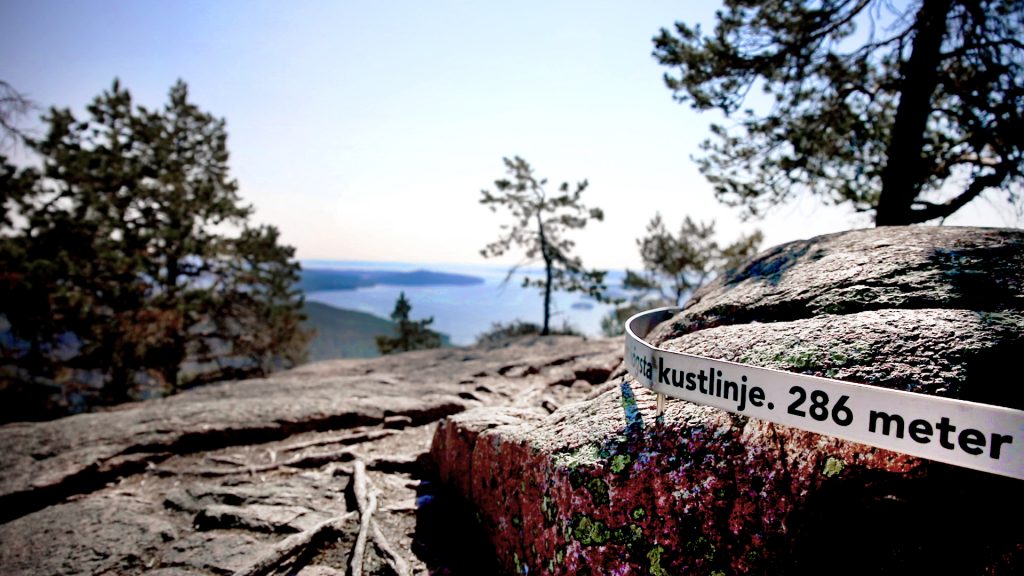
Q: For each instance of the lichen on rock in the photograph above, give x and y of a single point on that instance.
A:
(607, 488)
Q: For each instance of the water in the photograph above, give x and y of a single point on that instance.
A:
(464, 312)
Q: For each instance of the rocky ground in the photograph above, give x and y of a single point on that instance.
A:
(261, 476)
(535, 457)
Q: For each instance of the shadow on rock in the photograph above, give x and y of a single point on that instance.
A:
(448, 537)
(936, 524)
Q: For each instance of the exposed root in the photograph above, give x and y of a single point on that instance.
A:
(366, 500)
(293, 546)
(353, 438)
(397, 563)
(297, 461)
(359, 549)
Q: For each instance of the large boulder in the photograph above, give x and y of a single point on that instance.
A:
(258, 476)
(601, 487)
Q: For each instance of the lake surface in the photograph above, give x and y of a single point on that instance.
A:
(464, 312)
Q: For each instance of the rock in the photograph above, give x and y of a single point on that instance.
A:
(320, 571)
(599, 486)
(873, 269)
(254, 477)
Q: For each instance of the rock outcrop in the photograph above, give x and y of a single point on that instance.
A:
(600, 487)
(532, 457)
(273, 476)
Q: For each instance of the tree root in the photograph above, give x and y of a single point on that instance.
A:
(354, 438)
(366, 500)
(297, 461)
(393, 558)
(293, 546)
(366, 511)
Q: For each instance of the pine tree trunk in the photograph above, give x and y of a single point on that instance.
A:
(547, 293)
(545, 251)
(905, 172)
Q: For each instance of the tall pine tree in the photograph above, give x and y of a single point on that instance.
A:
(129, 259)
(909, 110)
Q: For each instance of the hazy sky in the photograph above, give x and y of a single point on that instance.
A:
(366, 130)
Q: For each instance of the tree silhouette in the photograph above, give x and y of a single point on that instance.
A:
(675, 265)
(412, 334)
(129, 260)
(13, 107)
(540, 221)
(910, 111)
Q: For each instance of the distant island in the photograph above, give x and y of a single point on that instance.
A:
(320, 279)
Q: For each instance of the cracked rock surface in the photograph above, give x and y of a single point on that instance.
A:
(259, 476)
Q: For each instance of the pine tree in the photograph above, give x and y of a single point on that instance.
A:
(412, 334)
(130, 260)
(675, 265)
(907, 110)
(540, 222)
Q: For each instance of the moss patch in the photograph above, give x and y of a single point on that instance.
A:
(833, 466)
(586, 455)
(654, 562)
(589, 531)
(620, 462)
(598, 490)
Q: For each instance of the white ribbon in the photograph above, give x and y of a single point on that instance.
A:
(968, 434)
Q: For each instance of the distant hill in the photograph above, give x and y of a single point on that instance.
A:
(345, 333)
(317, 279)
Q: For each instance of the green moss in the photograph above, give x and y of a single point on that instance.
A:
(627, 535)
(1002, 320)
(588, 531)
(792, 354)
(654, 559)
(586, 455)
(802, 357)
(598, 490)
(833, 466)
(638, 513)
(807, 356)
(620, 462)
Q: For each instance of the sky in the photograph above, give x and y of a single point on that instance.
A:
(366, 130)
